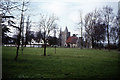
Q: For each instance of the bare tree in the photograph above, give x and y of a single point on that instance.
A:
(28, 26)
(6, 6)
(47, 25)
(80, 24)
(89, 27)
(108, 18)
(94, 27)
(114, 30)
(118, 18)
(9, 6)
(20, 38)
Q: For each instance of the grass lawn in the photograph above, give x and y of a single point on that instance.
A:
(66, 63)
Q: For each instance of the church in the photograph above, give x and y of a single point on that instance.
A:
(69, 41)
(63, 37)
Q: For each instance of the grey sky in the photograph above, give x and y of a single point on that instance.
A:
(67, 10)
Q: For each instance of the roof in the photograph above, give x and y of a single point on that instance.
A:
(72, 40)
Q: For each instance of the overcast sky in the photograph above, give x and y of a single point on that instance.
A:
(67, 10)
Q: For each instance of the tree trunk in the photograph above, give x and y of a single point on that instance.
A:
(45, 48)
(19, 35)
(18, 45)
(26, 42)
(81, 43)
(92, 42)
(81, 39)
(25, 45)
(55, 49)
(86, 44)
(16, 53)
(22, 44)
(108, 38)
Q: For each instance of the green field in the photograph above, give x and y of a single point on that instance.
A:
(66, 63)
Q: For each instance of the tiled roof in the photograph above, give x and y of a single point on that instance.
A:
(72, 40)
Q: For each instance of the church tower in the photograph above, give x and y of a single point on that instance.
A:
(64, 36)
(66, 33)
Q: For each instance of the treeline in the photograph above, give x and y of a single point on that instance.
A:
(102, 27)
(34, 36)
